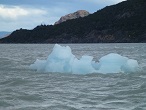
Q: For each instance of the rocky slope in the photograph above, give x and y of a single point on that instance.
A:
(123, 22)
(78, 14)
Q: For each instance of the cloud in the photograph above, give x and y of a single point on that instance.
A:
(15, 17)
(104, 1)
(16, 12)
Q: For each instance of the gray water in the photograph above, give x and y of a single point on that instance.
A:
(25, 89)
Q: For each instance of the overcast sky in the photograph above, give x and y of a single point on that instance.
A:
(27, 14)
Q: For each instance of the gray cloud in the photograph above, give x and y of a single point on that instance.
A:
(15, 14)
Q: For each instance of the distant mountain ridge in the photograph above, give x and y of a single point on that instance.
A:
(77, 14)
(121, 23)
(4, 34)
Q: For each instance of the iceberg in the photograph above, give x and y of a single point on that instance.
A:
(62, 60)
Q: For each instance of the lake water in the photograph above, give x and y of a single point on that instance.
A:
(24, 89)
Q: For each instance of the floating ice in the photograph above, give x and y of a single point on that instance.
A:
(62, 60)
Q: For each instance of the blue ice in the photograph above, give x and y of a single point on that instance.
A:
(62, 60)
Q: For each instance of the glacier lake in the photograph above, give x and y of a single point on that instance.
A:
(22, 88)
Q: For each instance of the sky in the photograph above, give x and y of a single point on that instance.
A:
(27, 14)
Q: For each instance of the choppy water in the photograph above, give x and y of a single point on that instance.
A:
(25, 89)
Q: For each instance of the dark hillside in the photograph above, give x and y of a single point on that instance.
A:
(123, 22)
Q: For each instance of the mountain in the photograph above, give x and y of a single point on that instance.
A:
(77, 14)
(4, 34)
(123, 22)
